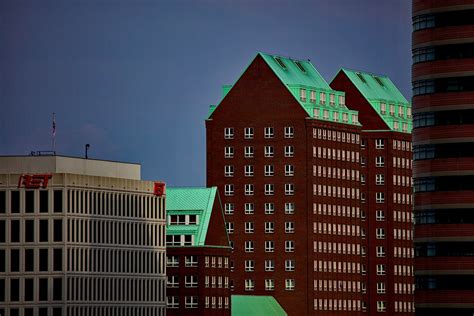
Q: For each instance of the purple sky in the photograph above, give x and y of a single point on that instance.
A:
(135, 78)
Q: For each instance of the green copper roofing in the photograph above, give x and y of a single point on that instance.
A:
(309, 88)
(253, 305)
(381, 92)
(191, 201)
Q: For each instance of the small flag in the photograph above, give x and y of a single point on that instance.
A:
(54, 126)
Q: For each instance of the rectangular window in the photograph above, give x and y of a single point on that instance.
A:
(312, 96)
(269, 151)
(57, 259)
(191, 281)
(269, 246)
(228, 152)
(380, 269)
(379, 179)
(289, 151)
(289, 170)
(289, 132)
(191, 261)
(342, 100)
(248, 133)
(43, 230)
(43, 259)
(269, 265)
(290, 284)
(269, 227)
(269, 189)
(191, 301)
(249, 246)
(229, 133)
(379, 197)
(2, 260)
(58, 230)
(43, 201)
(29, 201)
(14, 290)
(392, 109)
(15, 260)
(228, 171)
(269, 132)
(332, 99)
(289, 208)
(172, 281)
(381, 306)
(379, 161)
(57, 289)
(29, 230)
(249, 208)
(269, 285)
(380, 233)
(230, 227)
(322, 98)
(289, 227)
(249, 227)
(15, 201)
(379, 143)
(289, 246)
(229, 190)
(248, 171)
(289, 189)
(3, 202)
(269, 208)
(249, 285)
(249, 265)
(58, 201)
(383, 108)
(29, 260)
(172, 302)
(379, 215)
(43, 289)
(29, 290)
(15, 231)
(289, 265)
(303, 95)
(380, 251)
(249, 190)
(229, 208)
(248, 152)
(269, 171)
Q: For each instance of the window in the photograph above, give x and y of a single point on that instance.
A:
(248, 171)
(379, 161)
(289, 151)
(228, 152)
(380, 288)
(269, 246)
(249, 189)
(269, 170)
(269, 151)
(58, 201)
(230, 227)
(268, 132)
(380, 251)
(191, 261)
(229, 190)
(29, 201)
(58, 230)
(269, 265)
(191, 281)
(249, 265)
(248, 152)
(312, 96)
(249, 208)
(380, 269)
(289, 265)
(29, 230)
(383, 108)
(332, 99)
(229, 208)
(269, 208)
(249, 246)
(229, 133)
(322, 98)
(269, 284)
(379, 143)
(379, 197)
(191, 301)
(392, 109)
(249, 285)
(269, 189)
(289, 132)
(228, 171)
(289, 208)
(289, 189)
(289, 246)
(303, 95)
(248, 133)
(172, 281)
(342, 100)
(43, 230)
(325, 114)
(381, 306)
(15, 201)
(379, 179)
(249, 227)
(379, 215)
(290, 284)
(289, 170)
(57, 259)
(289, 227)
(269, 227)
(172, 302)
(380, 233)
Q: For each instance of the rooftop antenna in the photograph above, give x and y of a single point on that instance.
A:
(87, 149)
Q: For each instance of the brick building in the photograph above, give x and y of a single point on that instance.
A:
(386, 186)
(197, 253)
(286, 151)
(443, 139)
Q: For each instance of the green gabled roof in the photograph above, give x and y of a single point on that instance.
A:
(292, 75)
(371, 89)
(253, 305)
(306, 78)
(186, 201)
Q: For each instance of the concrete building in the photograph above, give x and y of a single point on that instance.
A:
(443, 139)
(291, 157)
(80, 237)
(198, 253)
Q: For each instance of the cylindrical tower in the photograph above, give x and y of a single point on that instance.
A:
(443, 153)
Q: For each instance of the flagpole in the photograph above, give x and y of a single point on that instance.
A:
(53, 134)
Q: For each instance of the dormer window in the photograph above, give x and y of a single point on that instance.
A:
(361, 77)
(379, 81)
(300, 66)
(303, 95)
(342, 100)
(312, 96)
(280, 62)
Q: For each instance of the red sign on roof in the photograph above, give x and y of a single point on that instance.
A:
(159, 188)
(34, 181)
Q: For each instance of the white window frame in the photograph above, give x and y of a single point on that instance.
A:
(269, 265)
(289, 227)
(172, 281)
(249, 227)
(249, 189)
(289, 170)
(289, 208)
(380, 251)
(290, 265)
(190, 281)
(249, 246)
(248, 171)
(249, 208)
(289, 151)
(229, 227)
(379, 161)
(289, 189)
(379, 215)
(172, 302)
(249, 285)
(269, 132)
(269, 246)
(228, 171)
(269, 151)
(289, 132)
(248, 132)
(380, 233)
(269, 285)
(379, 179)
(190, 261)
(228, 152)
(228, 133)
(289, 246)
(229, 190)
(269, 171)
(269, 227)
(249, 265)
(379, 197)
(269, 208)
(248, 152)
(269, 189)
(289, 284)
(379, 143)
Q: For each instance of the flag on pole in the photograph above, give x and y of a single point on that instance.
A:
(54, 126)
(53, 134)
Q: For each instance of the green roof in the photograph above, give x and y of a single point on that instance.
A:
(253, 305)
(377, 90)
(301, 77)
(191, 201)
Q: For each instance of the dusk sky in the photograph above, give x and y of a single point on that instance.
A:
(135, 78)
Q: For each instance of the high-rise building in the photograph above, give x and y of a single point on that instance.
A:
(307, 189)
(198, 253)
(443, 152)
(386, 188)
(80, 237)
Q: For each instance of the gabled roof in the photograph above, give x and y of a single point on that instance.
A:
(191, 201)
(301, 75)
(375, 87)
(253, 305)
